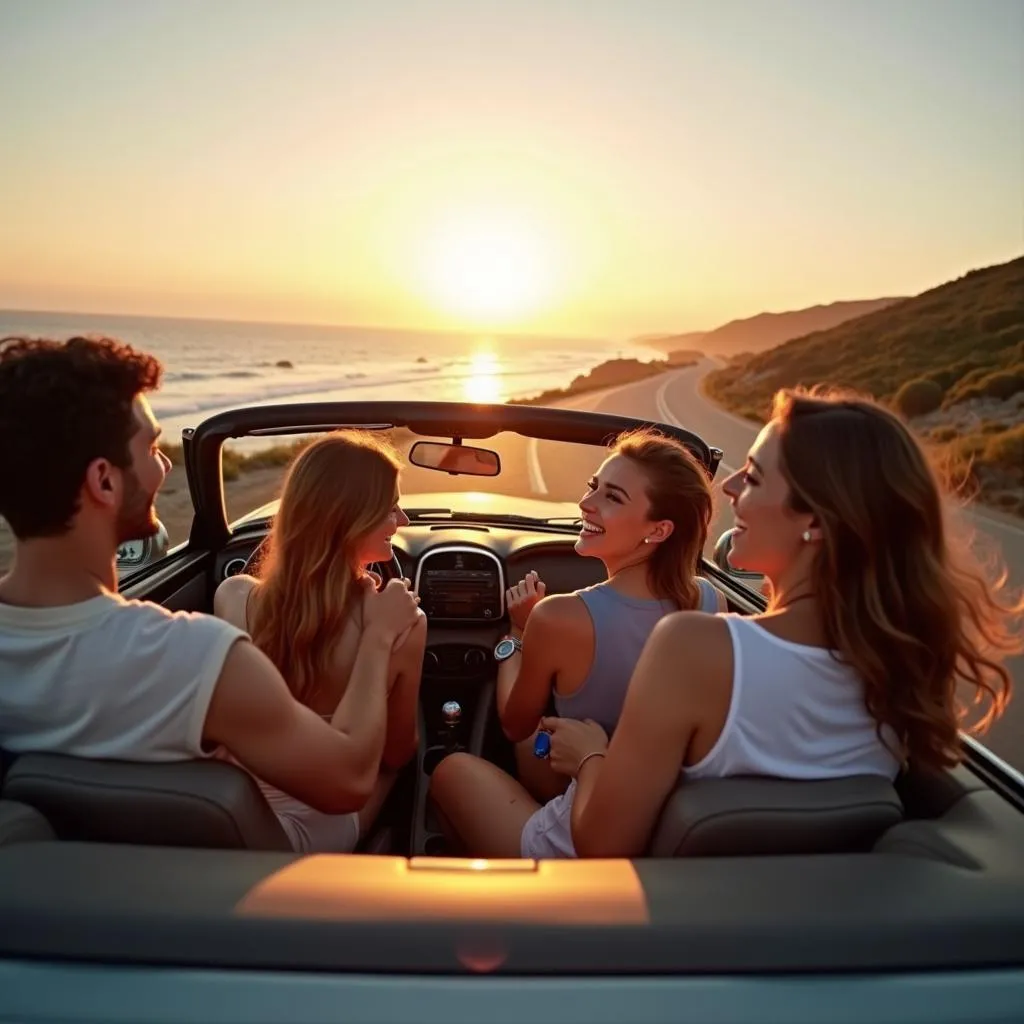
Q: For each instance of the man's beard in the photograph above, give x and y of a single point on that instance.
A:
(137, 518)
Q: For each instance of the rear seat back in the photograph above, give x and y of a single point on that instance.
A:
(756, 815)
(208, 804)
(20, 823)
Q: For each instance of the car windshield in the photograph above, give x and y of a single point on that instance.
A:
(540, 482)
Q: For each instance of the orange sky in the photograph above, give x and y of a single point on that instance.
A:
(584, 168)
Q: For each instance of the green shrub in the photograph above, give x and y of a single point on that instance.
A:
(231, 463)
(173, 452)
(918, 397)
(945, 378)
(1000, 384)
(1000, 319)
(1005, 383)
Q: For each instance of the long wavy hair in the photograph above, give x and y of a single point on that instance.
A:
(678, 489)
(905, 605)
(337, 490)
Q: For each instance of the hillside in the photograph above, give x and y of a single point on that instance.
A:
(613, 373)
(766, 330)
(672, 342)
(950, 359)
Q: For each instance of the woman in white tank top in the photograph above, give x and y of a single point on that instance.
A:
(875, 622)
(339, 510)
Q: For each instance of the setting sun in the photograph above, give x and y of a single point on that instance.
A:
(488, 267)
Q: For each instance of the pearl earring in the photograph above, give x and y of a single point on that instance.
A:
(647, 540)
(807, 536)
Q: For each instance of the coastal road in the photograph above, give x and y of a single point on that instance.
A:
(559, 472)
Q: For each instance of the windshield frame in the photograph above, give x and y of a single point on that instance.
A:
(202, 446)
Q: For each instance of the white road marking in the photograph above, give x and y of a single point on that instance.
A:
(537, 484)
(584, 401)
(667, 416)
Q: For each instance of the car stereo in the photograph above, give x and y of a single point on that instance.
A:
(463, 584)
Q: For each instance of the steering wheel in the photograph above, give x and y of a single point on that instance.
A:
(390, 570)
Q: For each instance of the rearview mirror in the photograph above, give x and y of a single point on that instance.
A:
(720, 557)
(134, 554)
(455, 458)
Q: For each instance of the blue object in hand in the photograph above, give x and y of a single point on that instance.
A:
(542, 744)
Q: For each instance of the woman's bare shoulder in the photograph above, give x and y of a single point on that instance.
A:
(702, 638)
(230, 598)
(562, 611)
(693, 623)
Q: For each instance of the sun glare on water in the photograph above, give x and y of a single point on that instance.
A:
(487, 268)
(483, 381)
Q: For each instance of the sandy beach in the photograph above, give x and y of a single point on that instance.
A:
(174, 507)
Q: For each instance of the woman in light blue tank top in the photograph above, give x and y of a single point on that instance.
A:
(645, 515)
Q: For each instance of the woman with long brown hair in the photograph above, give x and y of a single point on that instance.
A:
(645, 515)
(877, 623)
(338, 512)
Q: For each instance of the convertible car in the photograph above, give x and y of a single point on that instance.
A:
(169, 892)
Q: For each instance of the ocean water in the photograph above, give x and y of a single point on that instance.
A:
(212, 365)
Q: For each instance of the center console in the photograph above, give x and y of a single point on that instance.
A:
(456, 702)
(458, 584)
(462, 592)
(456, 696)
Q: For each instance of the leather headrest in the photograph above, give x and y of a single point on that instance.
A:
(754, 815)
(187, 803)
(20, 823)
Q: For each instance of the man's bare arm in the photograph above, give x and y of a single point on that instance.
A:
(254, 715)
(330, 767)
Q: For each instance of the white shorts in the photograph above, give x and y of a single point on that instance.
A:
(547, 833)
(313, 831)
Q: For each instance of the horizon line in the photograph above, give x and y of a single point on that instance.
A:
(311, 323)
(642, 339)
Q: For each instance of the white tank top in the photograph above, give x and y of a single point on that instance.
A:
(796, 713)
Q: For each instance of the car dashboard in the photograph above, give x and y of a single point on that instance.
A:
(461, 573)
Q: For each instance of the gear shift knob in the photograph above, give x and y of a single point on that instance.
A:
(451, 713)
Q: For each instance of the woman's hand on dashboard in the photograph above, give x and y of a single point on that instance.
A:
(521, 598)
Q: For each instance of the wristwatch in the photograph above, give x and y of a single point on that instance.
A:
(506, 647)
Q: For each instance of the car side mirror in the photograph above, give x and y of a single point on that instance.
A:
(720, 557)
(455, 458)
(134, 554)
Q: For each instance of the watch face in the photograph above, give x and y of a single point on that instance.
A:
(505, 649)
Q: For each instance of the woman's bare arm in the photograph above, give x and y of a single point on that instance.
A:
(525, 680)
(404, 696)
(684, 665)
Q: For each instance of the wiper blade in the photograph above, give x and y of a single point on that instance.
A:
(488, 517)
(416, 513)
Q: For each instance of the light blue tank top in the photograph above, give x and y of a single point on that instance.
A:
(621, 627)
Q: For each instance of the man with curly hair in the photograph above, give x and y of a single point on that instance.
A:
(87, 673)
